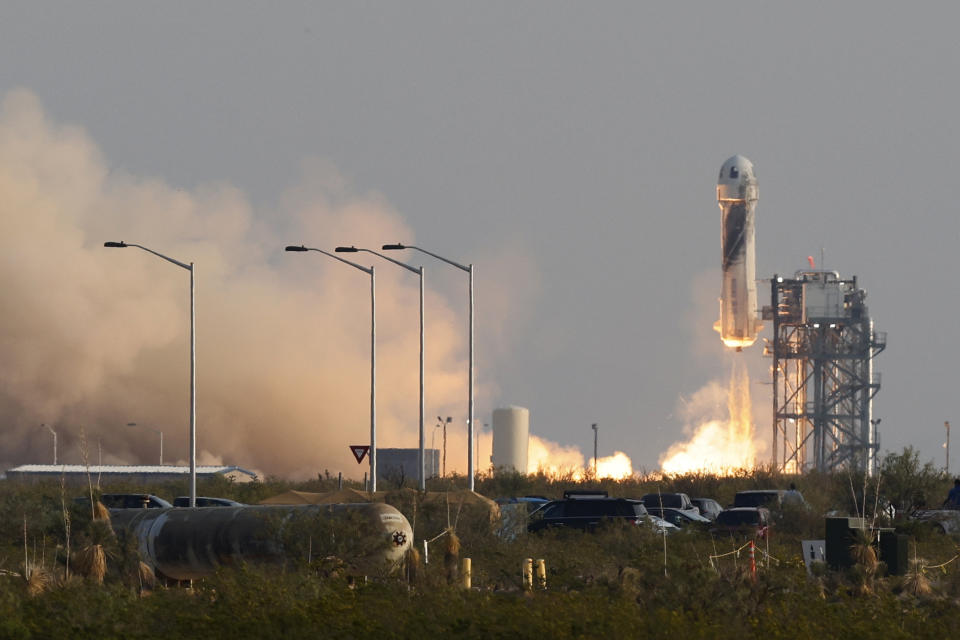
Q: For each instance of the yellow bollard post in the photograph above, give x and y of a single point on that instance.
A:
(466, 571)
(528, 573)
(542, 573)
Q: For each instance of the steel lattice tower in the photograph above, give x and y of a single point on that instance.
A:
(823, 379)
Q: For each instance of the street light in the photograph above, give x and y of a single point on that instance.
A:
(373, 355)
(444, 424)
(946, 467)
(433, 435)
(419, 271)
(50, 429)
(193, 361)
(469, 270)
(134, 424)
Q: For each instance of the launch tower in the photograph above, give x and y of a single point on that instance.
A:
(823, 348)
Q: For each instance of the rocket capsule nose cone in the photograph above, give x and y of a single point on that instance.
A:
(736, 169)
(737, 181)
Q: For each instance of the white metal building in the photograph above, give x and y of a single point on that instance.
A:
(74, 473)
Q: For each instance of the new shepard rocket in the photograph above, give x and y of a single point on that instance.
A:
(737, 196)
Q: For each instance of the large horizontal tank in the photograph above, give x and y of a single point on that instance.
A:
(511, 435)
(187, 544)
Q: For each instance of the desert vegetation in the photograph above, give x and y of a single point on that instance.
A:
(64, 573)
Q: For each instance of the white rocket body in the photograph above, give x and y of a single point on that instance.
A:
(737, 196)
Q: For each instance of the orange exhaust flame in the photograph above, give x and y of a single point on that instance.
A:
(617, 466)
(738, 343)
(552, 459)
(719, 446)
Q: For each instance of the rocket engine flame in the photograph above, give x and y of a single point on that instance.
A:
(737, 343)
(717, 445)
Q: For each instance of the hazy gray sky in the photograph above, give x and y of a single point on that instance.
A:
(570, 150)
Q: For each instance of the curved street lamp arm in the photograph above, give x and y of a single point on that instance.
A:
(366, 270)
(121, 244)
(387, 258)
(429, 253)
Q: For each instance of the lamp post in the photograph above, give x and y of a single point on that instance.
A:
(433, 434)
(596, 430)
(946, 467)
(469, 269)
(373, 354)
(193, 361)
(134, 424)
(419, 271)
(54, 433)
(444, 424)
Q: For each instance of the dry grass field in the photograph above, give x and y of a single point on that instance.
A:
(64, 573)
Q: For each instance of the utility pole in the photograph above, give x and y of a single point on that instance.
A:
(445, 423)
(947, 465)
(54, 433)
(595, 431)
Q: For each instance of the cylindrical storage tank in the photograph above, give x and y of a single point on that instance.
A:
(511, 435)
(187, 544)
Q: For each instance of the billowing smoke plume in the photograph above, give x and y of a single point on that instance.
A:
(557, 460)
(719, 425)
(98, 337)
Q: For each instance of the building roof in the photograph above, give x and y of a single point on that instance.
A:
(105, 469)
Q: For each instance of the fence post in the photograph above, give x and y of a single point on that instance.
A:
(753, 562)
(466, 569)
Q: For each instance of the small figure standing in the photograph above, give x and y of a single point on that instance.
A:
(953, 498)
(792, 496)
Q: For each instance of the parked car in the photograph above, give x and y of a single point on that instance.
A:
(661, 526)
(709, 508)
(184, 501)
(671, 500)
(532, 503)
(769, 498)
(742, 522)
(943, 520)
(586, 512)
(680, 517)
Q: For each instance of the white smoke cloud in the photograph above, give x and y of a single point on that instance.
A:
(721, 431)
(98, 337)
(554, 459)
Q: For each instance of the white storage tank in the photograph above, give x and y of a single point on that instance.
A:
(511, 434)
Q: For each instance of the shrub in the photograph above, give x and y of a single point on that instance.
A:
(908, 485)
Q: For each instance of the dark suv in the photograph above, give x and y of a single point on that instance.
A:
(769, 498)
(774, 499)
(585, 512)
(742, 522)
(669, 501)
(709, 508)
